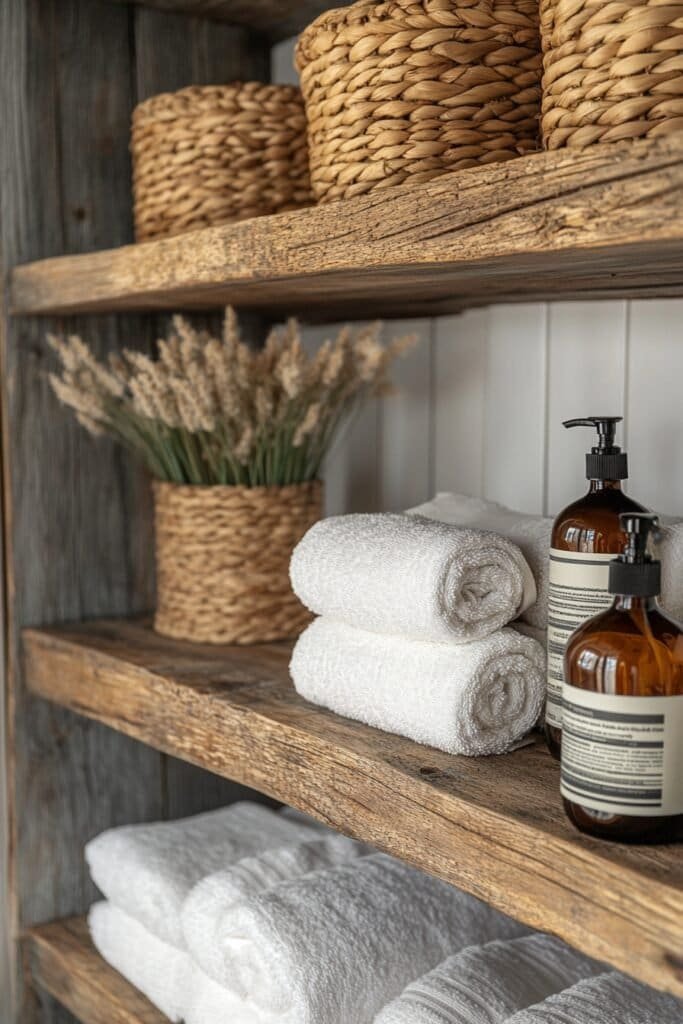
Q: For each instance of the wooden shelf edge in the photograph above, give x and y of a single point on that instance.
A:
(62, 960)
(607, 221)
(492, 826)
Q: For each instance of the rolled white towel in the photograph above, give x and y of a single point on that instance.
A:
(611, 998)
(477, 698)
(334, 946)
(532, 534)
(165, 975)
(411, 576)
(216, 895)
(148, 870)
(485, 984)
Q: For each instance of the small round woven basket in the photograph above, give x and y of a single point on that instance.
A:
(405, 90)
(611, 70)
(209, 155)
(222, 556)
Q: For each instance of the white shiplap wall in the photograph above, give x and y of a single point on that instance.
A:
(482, 400)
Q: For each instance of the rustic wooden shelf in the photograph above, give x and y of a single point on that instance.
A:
(602, 223)
(276, 19)
(63, 961)
(493, 826)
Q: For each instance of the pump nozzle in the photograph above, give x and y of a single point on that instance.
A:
(636, 573)
(605, 461)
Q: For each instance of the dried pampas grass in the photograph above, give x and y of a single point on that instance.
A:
(213, 411)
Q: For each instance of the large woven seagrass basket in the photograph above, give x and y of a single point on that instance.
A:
(405, 90)
(611, 70)
(222, 556)
(209, 155)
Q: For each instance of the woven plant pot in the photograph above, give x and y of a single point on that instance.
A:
(209, 155)
(611, 70)
(222, 556)
(406, 90)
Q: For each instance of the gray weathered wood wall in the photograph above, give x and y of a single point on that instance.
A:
(76, 512)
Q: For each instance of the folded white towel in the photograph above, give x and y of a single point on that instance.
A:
(485, 984)
(611, 998)
(334, 946)
(215, 896)
(477, 698)
(411, 576)
(532, 533)
(148, 870)
(166, 975)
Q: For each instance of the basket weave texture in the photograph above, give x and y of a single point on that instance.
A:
(612, 70)
(406, 90)
(209, 155)
(223, 561)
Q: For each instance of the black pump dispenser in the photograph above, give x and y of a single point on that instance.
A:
(635, 573)
(605, 461)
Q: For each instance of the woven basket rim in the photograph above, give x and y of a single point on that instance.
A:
(169, 486)
(366, 12)
(230, 89)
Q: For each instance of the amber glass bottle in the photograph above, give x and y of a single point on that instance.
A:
(622, 748)
(586, 536)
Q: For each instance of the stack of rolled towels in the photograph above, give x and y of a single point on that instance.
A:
(412, 634)
(250, 916)
(433, 623)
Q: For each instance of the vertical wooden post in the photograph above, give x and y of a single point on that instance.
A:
(76, 512)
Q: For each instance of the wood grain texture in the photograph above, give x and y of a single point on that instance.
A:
(275, 19)
(493, 826)
(605, 222)
(63, 961)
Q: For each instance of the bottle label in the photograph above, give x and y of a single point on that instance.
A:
(622, 755)
(577, 591)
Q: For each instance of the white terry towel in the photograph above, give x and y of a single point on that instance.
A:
(477, 698)
(334, 946)
(165, 975)
(485, 984)
(393, 573)
(532, 534)
(217, 895)
(611, 998)
(148, 870)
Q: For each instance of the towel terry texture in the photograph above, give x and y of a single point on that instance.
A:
(204, 913)
(532, 533)
(485, 984)
(166, 975)
(335, 946)
(476, 698)
(411, 576)
(148, 870)
(610, 998)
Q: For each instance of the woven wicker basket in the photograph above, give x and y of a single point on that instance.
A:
(611, 70)
(213, 154)
(410, 89)
(222, 558)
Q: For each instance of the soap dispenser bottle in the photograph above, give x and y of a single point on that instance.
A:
(622, 747)
(586, 536)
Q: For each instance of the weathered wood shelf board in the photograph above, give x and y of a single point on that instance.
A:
(493, 826)
(63, 961)
(276, 19)
(602, 223)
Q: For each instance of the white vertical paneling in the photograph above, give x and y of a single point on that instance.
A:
(586, 374)
(405, 437)
(458, 395)
(654, 404)
(515, 409)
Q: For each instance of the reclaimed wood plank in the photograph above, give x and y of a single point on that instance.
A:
(275, 19)
(605, 222)
(63, 961)
(493, 826)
